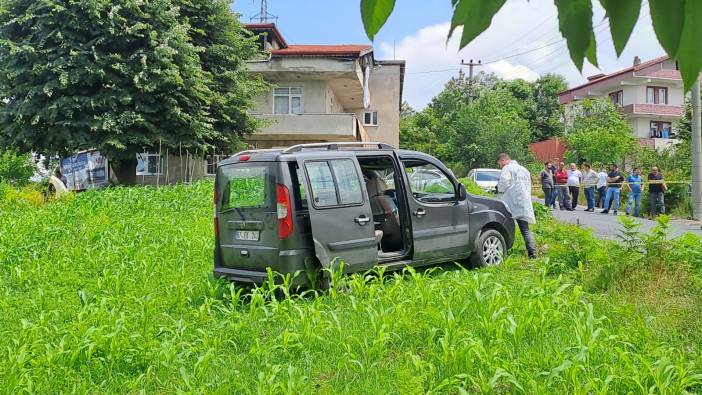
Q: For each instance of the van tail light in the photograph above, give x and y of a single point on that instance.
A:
(216, 222)
(284, 208)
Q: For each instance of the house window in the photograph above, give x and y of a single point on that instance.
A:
(211, 162)
(148, 164)
(617, 98)
(660, 130)
(656, 95)
(370, 118)
(287, 100)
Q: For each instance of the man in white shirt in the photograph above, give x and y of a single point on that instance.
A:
(601, 187)
(575, 178)
(515, 185)
(590, 180)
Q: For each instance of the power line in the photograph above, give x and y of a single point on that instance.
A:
(547, 45)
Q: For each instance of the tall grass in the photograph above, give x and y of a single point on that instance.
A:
(111, 292)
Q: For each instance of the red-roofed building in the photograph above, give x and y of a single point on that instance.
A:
(324, 93)
(649, 95)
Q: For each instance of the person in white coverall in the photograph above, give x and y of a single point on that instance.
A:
(515, 185)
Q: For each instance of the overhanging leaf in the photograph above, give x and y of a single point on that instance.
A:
(575, 24)
(668, 17)
(374, 14)
(591, 53)
(622, 15)
(688, 54)
(474, 15)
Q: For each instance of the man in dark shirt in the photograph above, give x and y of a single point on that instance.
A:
(656, 189)
(547, 184)
(614, 186)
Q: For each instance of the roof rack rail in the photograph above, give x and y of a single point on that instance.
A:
(335, 146)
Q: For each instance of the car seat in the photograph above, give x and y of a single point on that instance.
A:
(385, 213)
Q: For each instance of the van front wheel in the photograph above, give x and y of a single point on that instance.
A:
(490, 249)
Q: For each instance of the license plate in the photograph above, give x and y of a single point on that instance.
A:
(249, 235)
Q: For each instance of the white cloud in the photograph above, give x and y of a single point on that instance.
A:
(522, 42)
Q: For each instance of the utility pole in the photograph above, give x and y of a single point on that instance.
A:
(264, 15)
(696, 153)
(471, 64)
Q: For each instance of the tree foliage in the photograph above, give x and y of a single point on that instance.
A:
(599, 134)
(676, 23)
(15, 168)
(122, 75)
(471, 133)
(683, 127)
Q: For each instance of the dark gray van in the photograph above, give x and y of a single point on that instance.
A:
(312, 206)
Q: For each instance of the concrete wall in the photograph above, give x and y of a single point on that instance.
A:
(385, 98)
(314, 98)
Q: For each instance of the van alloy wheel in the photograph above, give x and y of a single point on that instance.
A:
(492, 251)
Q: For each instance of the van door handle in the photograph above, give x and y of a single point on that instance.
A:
(419, 213)
(362, 220)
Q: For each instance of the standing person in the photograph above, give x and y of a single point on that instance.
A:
(575, 178)
(656, 189)
(601, 187)
(515, 184)
(590, 179)
(614, 185)
(554, 192)
(561, 183)
(546, 178)
(633, 184)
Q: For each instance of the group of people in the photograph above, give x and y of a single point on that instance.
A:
(602, 189)
(563, 186)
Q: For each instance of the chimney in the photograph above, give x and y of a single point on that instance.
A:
(637, 60)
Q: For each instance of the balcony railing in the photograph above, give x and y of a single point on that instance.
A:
(653, 109)
(330, 126)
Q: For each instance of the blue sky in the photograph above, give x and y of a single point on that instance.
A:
(523, 40)
(339, 21)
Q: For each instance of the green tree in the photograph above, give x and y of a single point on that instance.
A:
(683, 127)
(122, 75)
(599, 133)
(676, 24)
(548, 112)
(493, 124)
(16, 168)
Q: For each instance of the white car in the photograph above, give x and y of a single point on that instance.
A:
(485, 178)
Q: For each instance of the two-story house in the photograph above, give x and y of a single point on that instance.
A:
(649, 95)
(324, 93)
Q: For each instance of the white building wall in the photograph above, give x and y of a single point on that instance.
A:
(385, 98)
(314, 98)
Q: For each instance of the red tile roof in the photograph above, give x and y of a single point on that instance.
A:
(324, 50)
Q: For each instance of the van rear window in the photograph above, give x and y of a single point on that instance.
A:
(247, 186)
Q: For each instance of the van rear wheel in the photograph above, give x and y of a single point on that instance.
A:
(490, 249)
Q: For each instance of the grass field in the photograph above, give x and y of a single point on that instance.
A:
(111, 292)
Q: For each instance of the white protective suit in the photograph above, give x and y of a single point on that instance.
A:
(515, 184)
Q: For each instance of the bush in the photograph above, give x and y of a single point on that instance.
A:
(30, 194)
(16, 168)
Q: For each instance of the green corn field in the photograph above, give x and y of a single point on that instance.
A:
(111, 291)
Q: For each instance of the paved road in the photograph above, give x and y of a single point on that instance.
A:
(608, 226)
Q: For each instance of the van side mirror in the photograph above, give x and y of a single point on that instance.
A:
(462, 193)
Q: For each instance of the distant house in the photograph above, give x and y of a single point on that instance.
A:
(324, 93)
(649, 95)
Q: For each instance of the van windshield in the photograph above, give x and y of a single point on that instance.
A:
(247, 186)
